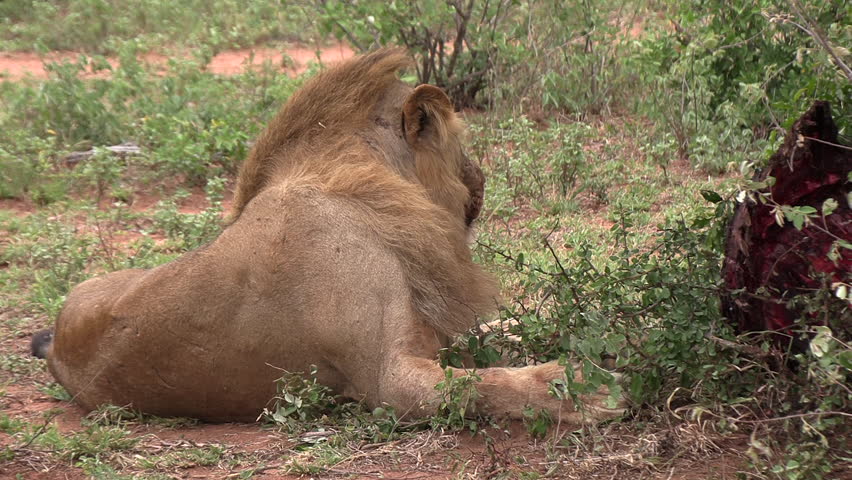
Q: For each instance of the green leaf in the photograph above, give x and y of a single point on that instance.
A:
(798, 222)
(829, 206)
(844, 359)
(711, 196)
(473, 344)
(821, 344)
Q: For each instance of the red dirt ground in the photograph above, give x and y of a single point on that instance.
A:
(18, 65)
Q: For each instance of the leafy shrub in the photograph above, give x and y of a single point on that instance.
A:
(58, 258)
(457, 397)
(300, 402)
(197, 125)
(651, 306)
(74, 109)
(731, 71)
(18, 174)
(545, 168)
(191, 125)
(580, 52)
(101, 171)
(456, 43)
(657, 307)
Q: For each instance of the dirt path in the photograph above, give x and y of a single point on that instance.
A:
(292, 60)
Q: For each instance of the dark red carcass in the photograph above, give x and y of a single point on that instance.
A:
(766, 264)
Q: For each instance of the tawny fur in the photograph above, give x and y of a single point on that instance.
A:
(346, 249)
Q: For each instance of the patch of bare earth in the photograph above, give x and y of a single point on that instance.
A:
(21, 206)
(291, 60)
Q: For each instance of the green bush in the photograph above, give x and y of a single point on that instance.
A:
(58, 258)
(456, 43)
(657, 308)
(652, 306)
(734, 70)
(300, 402)
(583, 53)
(191, 125)
(545, 168)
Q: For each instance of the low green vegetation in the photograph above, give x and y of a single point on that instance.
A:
(101, 26)
(615, 137)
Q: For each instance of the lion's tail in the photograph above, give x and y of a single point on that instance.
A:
(41, 342)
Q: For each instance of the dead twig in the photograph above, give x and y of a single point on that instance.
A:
(123, 149)
(38, 433)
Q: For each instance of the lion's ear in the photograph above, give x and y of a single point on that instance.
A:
(428, 119)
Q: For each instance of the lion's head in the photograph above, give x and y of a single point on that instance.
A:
(414, 130)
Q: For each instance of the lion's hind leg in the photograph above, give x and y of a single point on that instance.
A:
(81, 344)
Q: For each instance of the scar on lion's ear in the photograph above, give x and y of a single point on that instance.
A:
(428, 118)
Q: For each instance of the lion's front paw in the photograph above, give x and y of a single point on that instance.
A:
(600, 405)
(592, 407)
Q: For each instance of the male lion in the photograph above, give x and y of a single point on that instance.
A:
(346, 249)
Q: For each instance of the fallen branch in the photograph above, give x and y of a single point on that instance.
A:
(127, 148)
